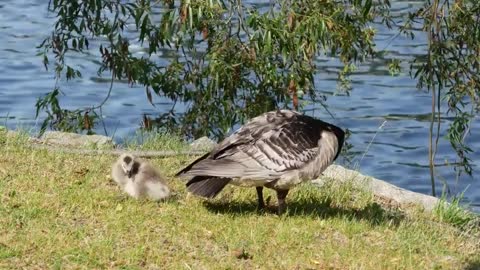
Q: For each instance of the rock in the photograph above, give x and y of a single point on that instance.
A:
(75, 140)
(379, 188)
(10, 133)
(14, 134)
(203, 143)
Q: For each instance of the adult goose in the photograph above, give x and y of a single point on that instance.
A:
(277, 150)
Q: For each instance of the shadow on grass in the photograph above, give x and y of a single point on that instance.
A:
(372, 212)
(474, 265)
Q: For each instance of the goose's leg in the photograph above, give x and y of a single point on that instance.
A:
(261, 204)
(281, 195)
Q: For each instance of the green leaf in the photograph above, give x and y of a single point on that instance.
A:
(366, 8)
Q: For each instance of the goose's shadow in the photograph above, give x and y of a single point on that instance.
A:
(473, 265)
(372, 212)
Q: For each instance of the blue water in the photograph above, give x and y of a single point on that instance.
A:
(398, 154)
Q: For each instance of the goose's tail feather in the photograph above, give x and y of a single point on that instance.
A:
(186, 169)
(207, 186)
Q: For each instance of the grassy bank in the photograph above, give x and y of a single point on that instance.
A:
(61, 210)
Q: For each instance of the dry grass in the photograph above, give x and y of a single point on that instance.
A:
(63, 211)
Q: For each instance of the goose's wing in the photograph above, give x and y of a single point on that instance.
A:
(266, 147)
(222, 154)
(290, 146)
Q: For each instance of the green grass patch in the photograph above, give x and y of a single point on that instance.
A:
(155, 141)
(62, 211)
(454, 213)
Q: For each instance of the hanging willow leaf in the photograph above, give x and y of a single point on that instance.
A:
(183, 13)
(87, 124)
(147, 122)
(149, 95)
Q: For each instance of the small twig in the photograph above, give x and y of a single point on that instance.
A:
(108, 94)
(371, 141)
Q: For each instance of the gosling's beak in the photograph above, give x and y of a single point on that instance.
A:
(129, 173)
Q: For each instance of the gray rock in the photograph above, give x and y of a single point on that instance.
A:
(75, 140)
(12, 133)
(379, 188)
(203, 143)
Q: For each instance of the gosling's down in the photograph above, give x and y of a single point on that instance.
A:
(139, 179)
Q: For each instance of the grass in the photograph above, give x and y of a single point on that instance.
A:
(63, 211)
(454, 213)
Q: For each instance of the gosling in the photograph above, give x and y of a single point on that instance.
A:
(139, 179)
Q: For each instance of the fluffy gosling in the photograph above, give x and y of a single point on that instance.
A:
(139, 179)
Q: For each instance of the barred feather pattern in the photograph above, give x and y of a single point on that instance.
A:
(281, 148)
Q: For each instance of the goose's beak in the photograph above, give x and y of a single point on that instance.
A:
(129, 173)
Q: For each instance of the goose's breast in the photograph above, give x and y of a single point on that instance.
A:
(328, 148)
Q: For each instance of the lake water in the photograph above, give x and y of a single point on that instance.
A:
(398, 154)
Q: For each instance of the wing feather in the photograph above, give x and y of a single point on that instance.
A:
(268, 146)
